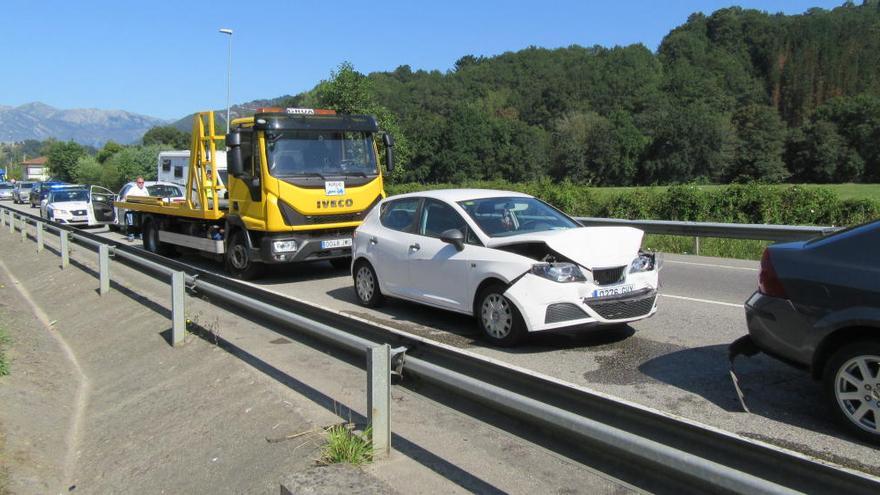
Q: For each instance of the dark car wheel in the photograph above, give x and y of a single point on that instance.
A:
(366, 285)
(238, 260)
(852, 385)
(498, 318)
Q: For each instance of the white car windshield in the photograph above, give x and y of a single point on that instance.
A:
(62, 196)
(501, 217)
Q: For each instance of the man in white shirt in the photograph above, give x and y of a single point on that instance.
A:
(138, 190)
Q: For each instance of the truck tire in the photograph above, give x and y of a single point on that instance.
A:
(150, 233)
(238, 260)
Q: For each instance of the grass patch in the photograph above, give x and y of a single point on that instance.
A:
(4, 344)
(709, 246)
(347, 446)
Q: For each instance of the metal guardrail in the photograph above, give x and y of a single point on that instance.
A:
(648, 441)
(755, 231)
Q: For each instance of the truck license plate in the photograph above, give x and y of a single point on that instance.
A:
(612, 291)
(336, 243)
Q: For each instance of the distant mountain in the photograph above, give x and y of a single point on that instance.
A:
(88, 126)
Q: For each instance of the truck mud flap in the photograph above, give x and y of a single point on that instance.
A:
(741, 346)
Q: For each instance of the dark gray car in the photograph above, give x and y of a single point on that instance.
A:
(818, 307)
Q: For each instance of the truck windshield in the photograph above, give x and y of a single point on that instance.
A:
(321, 153)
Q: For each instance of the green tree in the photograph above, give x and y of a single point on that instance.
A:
(167, 136)
(350, 92)
(760, 142)
(128, 164)
(63, 157)
(110, 148)
(88, 171)
(820, 154)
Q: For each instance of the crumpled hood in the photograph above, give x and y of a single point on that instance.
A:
(70, 205)
(591, 247)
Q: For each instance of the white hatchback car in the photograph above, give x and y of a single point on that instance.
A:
(515, 263)
(168, 191)
(78, 205)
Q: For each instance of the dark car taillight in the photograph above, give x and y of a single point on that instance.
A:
(768, 282)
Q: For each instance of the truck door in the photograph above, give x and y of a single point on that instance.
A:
(101, 206)
(245, 193)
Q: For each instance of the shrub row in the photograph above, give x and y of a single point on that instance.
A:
(735, 203)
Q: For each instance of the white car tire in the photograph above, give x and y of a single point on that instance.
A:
(366, 285)
(499, 319)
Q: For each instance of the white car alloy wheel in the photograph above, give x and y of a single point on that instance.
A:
(497, 316)
(366, 284)
(857, 391)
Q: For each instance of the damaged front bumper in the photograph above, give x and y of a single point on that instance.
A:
(549, 305)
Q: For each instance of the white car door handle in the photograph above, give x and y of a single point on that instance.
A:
(374, 241)
(414, 247)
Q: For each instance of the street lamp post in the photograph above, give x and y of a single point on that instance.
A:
(228, 74)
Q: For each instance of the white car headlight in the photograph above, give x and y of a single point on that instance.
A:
(284, 246)
(644, 262)
(559, 272)
(60, 213)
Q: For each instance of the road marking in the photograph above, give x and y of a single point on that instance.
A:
(731, 267)
(709, 301)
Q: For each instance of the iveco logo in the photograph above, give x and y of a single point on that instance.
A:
(334, 203)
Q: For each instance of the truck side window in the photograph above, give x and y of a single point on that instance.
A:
(247, 153)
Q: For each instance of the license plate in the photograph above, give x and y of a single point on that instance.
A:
(334, 188)
(612, 291)
(336, 243)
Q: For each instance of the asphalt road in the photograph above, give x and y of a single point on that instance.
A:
(675, 362)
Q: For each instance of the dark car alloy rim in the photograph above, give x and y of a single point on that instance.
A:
(857, 390)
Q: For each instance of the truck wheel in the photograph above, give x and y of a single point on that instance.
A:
(341, 263)
(498, 317)
(852, 385)
(238, 260)
(150, 232)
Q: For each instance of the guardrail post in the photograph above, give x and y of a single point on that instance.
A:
(379, 398)
(3, 217)
(39, 236)
(696, 245)
(65, 249)
(104, 268)
(11, 223)
(178, 309)
(23, 228)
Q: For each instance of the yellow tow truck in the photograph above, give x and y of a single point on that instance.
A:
(300, 180)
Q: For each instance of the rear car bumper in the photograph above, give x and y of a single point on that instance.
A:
(779, 329)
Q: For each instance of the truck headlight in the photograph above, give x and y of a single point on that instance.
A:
(284, 246)
(559, 272)
(644, 262)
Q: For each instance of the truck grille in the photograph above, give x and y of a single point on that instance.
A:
(623, 309)
(563, 312)
(605, 276)
(347, 217)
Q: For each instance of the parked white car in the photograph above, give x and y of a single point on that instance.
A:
(6, 190)
(168, 191)
(78, 205)
(515, 263)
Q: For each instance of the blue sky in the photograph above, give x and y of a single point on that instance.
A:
(166, 59)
